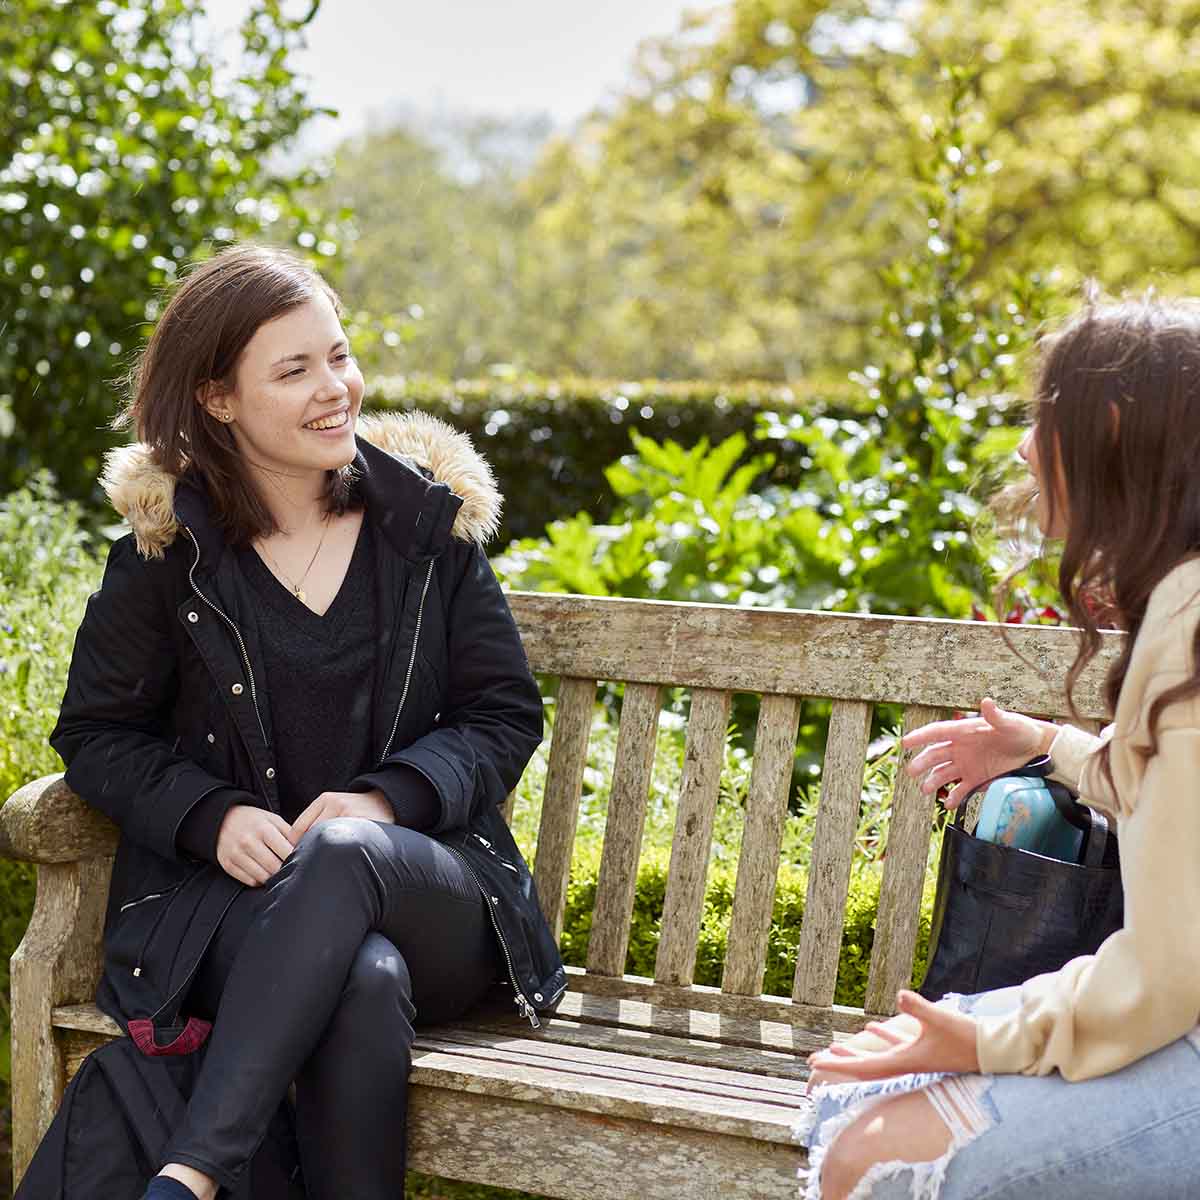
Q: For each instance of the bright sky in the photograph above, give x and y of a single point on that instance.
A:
(561, 57)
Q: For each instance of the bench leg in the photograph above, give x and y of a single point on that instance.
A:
(57, 962)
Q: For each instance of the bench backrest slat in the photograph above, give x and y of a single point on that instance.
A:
(564, 784)
(903, 879)
(758, 864)
(626, 822)
(683, 904)
(832, 852)
(839, 656)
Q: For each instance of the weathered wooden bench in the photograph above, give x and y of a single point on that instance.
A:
(647, 1088)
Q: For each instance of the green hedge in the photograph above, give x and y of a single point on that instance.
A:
(858, 933)
(549, 440)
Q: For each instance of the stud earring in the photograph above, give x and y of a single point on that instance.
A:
(227, 416)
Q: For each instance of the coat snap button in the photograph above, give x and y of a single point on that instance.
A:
(193, 617)
(270, 772)
(211, 738)
(537, 996)
(236, 689)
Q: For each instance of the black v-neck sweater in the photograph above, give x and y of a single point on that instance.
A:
(320, 683)
(320, 677)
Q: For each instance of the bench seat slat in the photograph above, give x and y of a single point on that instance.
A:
(758, 864)
(680, 1052)
(661, 1105)
(683, 904)
(560, 804)
(903, 879)
(616, 885)
(575, 1050)
(613, 1067)
(832, 852)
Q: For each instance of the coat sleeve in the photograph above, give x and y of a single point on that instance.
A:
(491, 719)
(113, 728)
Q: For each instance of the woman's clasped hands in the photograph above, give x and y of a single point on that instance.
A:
(253, 842)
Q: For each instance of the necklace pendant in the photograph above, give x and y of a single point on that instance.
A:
(300, 595)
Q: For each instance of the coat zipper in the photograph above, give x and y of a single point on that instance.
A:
(236, 633)
(488, 847)
(523, 1006)
(173, 893)
(412, 659)
(145, 899)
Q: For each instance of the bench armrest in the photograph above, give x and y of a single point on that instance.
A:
(46, 822)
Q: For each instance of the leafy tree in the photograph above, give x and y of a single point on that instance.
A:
(884, 517)
(125, 150)
(438, 238)
(733, 214)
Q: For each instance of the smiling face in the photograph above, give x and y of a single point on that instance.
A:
(295, 395)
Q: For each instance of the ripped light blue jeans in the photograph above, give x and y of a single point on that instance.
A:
(1132, 1134)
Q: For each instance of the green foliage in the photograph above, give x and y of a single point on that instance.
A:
(126, 149)
(874, 511)
(550, 441)
(452, 270)
(858, 934)
(728, 215)
(687, 527)
(47, 570)
(48, 567)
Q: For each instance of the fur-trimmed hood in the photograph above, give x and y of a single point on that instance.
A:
(144, 494)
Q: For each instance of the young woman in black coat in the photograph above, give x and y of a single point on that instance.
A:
(301, 696)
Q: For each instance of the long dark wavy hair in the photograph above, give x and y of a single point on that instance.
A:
(1117, 409)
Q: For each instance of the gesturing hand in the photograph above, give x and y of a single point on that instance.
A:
(944, 1040)
(975, 749)
(372, 805)
(867, 1041)
(252, 843)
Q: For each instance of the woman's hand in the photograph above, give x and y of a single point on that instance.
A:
(252, 844)
(867, 1041)
(372, 805)
(973, 750)
(944, 1040)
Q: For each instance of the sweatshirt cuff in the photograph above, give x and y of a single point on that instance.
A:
(1069, 753)
(1002, 1044)
(197, 833)
(414, 800)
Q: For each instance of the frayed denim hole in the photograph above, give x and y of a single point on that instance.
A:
(960, 1101)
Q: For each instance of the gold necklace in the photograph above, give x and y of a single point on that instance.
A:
(298, 586)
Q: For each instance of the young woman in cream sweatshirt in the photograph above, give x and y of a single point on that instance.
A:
(1086, 1081)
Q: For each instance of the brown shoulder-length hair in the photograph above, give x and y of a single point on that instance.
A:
(199, 338)
(1117, 406)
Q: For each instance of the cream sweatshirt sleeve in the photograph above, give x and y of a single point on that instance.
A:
(1075, 761)
(1141, 990)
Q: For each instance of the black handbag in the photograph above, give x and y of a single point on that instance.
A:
(1002, 915)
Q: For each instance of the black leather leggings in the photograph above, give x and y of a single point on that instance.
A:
(318, 977)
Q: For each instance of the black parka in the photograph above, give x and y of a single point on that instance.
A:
(165, 703)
